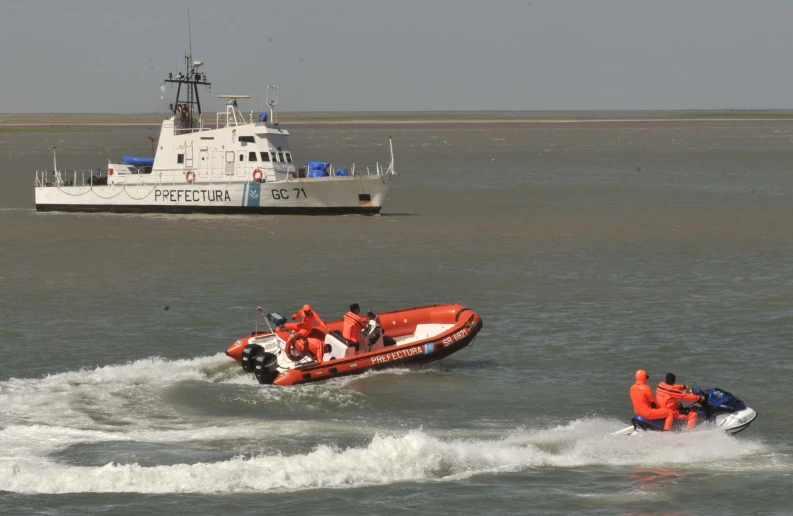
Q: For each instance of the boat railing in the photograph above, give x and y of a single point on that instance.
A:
(369, 169)
(69, 178)
(212, 175)
(232, 117)
(187, 130)
(365, 169)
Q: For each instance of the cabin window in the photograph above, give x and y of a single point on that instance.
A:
(281, 157)
(242, 157)
(265, 156)
(272, 153)
(288, 157)
(251, 156)
(180, 158)
(248, 139)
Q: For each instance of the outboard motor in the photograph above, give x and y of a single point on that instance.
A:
(265, 368)
(249, 353)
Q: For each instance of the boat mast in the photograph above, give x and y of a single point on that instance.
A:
(189, 35)
(187, 109)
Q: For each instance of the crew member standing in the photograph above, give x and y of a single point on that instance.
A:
(310, 318)
(644, 403)
(353, 323)
(300, 343)
(669, 394)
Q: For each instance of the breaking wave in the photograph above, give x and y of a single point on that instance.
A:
(414, 456)
(44, 418)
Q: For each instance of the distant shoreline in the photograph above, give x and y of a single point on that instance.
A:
(41, 122)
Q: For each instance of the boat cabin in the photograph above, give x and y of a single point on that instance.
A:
(238, 148)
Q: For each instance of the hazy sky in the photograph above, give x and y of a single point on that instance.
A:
(334, 55)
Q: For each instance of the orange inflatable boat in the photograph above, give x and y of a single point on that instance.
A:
(407, 337)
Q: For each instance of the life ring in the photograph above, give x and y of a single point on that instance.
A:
(258, 175)
(291, 349)
(189, 176)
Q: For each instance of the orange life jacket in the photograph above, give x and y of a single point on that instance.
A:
(669, 395)
(352, 325)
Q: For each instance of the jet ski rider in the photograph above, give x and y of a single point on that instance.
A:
(669, 394)
(645, 404)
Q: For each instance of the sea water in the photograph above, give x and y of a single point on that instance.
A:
(589, 249)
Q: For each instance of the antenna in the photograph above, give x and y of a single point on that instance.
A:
(272, 61)
(391, 169)
(272, 100)
(55, 167)
(187, 109)
(189, 36)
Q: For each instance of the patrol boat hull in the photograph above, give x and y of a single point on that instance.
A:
(420, 335)
(315, 196)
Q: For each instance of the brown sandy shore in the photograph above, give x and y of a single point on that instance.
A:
(72, 121)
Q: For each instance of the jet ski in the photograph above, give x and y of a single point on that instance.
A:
(717, 410)
(407, 337)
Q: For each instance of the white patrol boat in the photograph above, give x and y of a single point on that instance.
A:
(238, 166)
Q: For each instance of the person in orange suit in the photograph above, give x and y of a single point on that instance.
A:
(353, 323)
(310, 317)
(299, 346)
(669, 394)
(645, 404)
(316, 347)
(300, 340)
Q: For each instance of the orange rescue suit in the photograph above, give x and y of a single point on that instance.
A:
(301, 345)
(353, 323)
(669, 396)
(644, 403)
(300, 339)
(317, 348)
(304, 326)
